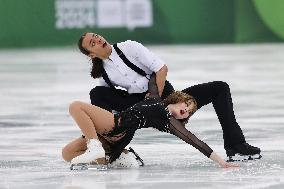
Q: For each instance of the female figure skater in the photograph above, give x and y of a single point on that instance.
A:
(117, 130)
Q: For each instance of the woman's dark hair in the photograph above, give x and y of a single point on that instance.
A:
(97, 63)
(179, 96)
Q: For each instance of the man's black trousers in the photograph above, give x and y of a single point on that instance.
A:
(216, 92)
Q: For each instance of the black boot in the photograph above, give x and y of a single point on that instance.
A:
(242, 149)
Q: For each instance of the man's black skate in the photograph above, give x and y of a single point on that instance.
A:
(243, 149)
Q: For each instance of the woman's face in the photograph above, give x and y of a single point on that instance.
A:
(96, 45)
(182, 110)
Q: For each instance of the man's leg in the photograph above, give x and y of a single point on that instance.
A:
(108, 99)
(219, 94)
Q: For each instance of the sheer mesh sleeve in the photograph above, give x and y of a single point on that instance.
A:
(178, 129)
(152, 87)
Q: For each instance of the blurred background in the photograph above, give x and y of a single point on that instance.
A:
(34, 23)
(42, 72)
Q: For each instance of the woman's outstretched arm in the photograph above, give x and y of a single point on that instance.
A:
(178, 129)
(215, 157)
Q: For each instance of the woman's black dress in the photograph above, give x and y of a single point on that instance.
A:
(148, 113)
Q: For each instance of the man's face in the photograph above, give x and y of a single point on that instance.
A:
(96, 45)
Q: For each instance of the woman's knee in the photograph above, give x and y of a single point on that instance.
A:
(75, 107)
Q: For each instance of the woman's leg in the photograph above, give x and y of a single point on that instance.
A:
(74, 149)
(91, 119)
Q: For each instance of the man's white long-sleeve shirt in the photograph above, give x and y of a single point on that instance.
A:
(123, 76)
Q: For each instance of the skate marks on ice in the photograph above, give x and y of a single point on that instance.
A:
(162, 170)
(182, 170)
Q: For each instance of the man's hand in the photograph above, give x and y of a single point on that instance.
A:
(148, 94)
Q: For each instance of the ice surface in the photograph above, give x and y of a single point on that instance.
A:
(37, 85)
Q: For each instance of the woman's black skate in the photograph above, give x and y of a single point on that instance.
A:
(245, 150)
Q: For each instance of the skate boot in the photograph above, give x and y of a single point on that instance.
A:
(244, 149)
(128, 159)
(94, 151)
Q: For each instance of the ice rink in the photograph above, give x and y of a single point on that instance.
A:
(37, 86)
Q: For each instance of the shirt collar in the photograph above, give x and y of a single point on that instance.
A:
(112, 54)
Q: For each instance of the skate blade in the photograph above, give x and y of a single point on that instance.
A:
(138, 158)
(244, 158)
(87, 166)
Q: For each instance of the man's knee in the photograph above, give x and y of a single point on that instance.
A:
(222, 86)
(102, 96)
(97, 93)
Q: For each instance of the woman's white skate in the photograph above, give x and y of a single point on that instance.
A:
(95, 152)
(128, 159)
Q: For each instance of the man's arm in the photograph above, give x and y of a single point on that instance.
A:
(161, 76)
(152, 87)
(151, 61)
